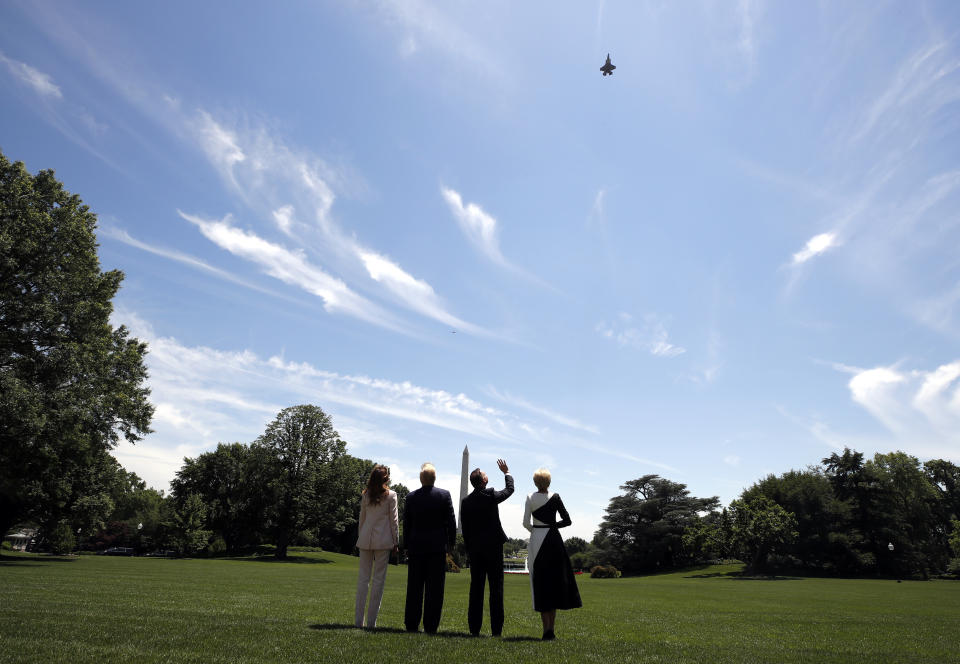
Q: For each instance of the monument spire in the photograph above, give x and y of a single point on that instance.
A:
(464, 484)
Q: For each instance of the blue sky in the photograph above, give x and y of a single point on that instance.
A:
(733, 257)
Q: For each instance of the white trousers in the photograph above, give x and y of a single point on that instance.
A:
(375, 560)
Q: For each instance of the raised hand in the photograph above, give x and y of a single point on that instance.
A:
(503, 466)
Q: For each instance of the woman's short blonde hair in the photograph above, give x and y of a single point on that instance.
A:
(542, 478)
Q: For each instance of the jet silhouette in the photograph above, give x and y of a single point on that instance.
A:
(608, 67)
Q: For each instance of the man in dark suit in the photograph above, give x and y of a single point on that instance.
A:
(484, 537)
(429, 532)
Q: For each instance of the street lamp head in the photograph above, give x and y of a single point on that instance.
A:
(890, 545)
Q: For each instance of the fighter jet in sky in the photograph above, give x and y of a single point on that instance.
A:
(608, 67)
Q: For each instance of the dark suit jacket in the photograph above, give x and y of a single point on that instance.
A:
(480, 516)
(429, 525)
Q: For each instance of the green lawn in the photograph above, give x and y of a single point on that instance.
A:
(100, 609)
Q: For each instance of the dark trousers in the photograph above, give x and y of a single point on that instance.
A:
(426, 573)
(486, 564)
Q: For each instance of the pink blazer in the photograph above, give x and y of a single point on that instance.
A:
(379, 526)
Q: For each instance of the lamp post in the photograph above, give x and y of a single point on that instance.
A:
(890, 548)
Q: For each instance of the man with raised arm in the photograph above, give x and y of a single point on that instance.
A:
(484, 537)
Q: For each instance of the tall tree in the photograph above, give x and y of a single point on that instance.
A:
(856, 484)
(760, 527)
(70, 383)
(821, 542)
(290, 457)
(643, 529)
(219, 478)
(944, 477)
(907, 508)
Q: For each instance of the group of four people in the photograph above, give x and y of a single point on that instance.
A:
(429, 529)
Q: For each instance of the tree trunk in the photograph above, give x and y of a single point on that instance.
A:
(283, 539)
(759, 557)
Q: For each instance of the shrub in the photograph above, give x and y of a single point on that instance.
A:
(216, 546)
(7, 546)
(61, 539)
(580, 560)
(604, 572)
(953, 569)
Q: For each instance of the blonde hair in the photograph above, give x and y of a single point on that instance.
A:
(428, 474)
(542, 478)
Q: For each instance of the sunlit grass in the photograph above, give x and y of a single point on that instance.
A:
(96, 609)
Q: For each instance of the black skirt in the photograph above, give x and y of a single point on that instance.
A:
(554, 585)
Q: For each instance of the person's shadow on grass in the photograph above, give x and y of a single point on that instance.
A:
(399, 630)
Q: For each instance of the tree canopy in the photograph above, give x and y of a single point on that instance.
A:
(293, 457)
(643, 529)
(70, 383)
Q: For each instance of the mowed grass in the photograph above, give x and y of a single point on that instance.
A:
(101, 609)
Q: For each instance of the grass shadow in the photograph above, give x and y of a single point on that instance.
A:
(31, 560)
(740, 576)
(714, 575)
(521, 638)
(400, 630)
(289, 559)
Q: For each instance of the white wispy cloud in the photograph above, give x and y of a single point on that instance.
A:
(479, 227)
(597, 210)
(292, 267)
(709, 370)
(415, 293)
(822, 432)
(296, 192)
(283, 216)
(940, 311)
(921, 85)
(220, 144)
(815, 246)
(892, 214)
(292, 188)
(409, 46)
(207, 395)
(651, 336)
(123, 236)
(547, 413)
(599, 448)
(41, 83)
(482, 230)
(433, 25)
(920, 408)
(747, 13)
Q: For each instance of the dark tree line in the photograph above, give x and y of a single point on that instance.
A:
(294, 485)
(891, 515)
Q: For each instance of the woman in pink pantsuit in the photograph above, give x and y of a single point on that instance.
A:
(379, 534)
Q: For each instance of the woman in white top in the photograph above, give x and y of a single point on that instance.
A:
(378, 534)
(552, 582)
